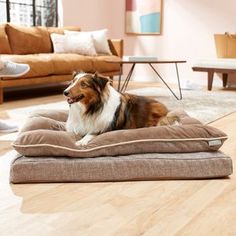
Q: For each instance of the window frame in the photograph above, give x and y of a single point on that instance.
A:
(8, 14)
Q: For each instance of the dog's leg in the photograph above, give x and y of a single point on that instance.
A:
(169, 120)
(85, 140)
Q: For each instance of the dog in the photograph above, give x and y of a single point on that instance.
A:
(96, 107)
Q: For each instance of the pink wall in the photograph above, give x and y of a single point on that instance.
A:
(89, 14)
(188, 28)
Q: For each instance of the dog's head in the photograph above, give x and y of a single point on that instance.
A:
(86, 88)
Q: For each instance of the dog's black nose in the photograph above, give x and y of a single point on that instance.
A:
(66, 93)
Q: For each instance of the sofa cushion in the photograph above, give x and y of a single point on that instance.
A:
(66, 63)
(40, 64)
(44, 136)
(4, 43)
(28, 40)
(46, 64)
(100, 64)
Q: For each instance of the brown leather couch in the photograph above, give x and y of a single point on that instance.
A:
(33, 45)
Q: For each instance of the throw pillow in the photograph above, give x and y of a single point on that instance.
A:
(99, 37)
(58, 41)
(80, 44)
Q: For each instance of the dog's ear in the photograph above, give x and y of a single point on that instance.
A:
(76, 72)
(100, 80)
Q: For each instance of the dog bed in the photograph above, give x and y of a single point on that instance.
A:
(47, 153)
(150, 166)
(45, 135)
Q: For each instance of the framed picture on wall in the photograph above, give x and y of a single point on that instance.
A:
(143, 17)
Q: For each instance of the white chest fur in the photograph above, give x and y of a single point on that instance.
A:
(92, 124)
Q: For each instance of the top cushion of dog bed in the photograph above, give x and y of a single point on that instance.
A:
(44, 135)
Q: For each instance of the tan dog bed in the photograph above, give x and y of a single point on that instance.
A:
(48, 153)
(150, 166)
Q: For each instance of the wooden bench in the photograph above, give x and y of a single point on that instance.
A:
(211, 66)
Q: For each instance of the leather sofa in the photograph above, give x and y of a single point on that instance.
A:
(33, 45)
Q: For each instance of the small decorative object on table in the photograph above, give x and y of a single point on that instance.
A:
(140, 58)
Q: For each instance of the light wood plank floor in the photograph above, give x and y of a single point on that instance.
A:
(205, 207)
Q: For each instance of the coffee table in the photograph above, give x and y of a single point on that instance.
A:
(133, 62)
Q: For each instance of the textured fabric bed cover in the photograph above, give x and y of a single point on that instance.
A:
(152, 166)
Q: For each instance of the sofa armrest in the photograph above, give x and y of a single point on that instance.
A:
(116, 47)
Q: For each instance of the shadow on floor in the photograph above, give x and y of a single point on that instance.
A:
(19, 93)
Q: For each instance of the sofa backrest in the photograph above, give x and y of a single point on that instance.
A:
(15, 39)
(60, 30)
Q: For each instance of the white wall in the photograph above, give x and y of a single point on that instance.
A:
(188, 29)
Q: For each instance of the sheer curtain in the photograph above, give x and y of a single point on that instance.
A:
(60, 12)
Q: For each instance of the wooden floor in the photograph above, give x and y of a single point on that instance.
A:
(204, 207)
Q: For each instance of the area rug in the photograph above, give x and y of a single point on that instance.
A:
(206, 106)
(203, 105)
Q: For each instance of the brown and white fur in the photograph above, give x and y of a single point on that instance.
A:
(96, 107)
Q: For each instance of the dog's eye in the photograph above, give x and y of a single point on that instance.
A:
(83, 84)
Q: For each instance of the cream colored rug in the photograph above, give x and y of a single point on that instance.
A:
(206, 106)
(203, 105)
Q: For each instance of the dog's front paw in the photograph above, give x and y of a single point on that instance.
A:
(85, 140)
(82, 142)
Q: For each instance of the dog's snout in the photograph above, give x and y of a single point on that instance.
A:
(66, 93)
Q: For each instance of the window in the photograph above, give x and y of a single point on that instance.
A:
(29, 12)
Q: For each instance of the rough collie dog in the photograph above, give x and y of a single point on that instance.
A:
(96, 107)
